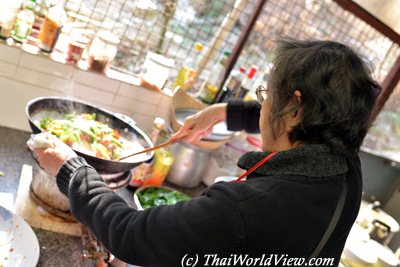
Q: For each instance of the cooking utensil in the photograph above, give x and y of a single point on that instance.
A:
(43, 107)
(150, 149)
(190, 165)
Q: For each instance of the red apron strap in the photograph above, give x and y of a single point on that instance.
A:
(261, 162)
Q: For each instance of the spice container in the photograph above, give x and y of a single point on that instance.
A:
(51, 28)
(102, 51)
(159, 168)
(138, 174)
(155, 71)
(8, 15)
(24, 23)
(76, 46)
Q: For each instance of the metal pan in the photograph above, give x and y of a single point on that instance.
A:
(52, 107)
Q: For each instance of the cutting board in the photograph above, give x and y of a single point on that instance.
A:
(36, 216)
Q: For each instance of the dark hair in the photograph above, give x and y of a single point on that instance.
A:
(338, 93)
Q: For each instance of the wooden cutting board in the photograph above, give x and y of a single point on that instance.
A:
(36, 216)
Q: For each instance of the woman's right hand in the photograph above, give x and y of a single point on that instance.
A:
(200, 124)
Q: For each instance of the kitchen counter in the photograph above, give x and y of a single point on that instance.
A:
(56, 250)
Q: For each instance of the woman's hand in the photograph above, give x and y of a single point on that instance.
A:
(200, 124)
(53, 157)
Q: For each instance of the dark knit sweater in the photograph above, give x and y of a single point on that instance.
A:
(283, 208)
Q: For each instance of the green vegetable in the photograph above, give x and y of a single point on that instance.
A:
(44, 123)
(156, 196)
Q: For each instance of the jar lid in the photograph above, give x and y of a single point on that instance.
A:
(167, 62)
(108, 37)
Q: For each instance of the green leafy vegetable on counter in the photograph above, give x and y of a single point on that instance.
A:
(156, 196)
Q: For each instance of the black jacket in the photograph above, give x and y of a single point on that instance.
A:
(281, 210)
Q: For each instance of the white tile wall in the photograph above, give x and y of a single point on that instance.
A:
(91, 93)
(9, 54)
(13, 103)
(139, 93)
(24, 76)
(96, 80)
(135, 105)
(7, 69)
(44, 80)
(43, 64)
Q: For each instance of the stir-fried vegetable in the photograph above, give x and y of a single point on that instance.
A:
(84, 133)
(155, 196)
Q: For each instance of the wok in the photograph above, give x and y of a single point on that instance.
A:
(42, 107)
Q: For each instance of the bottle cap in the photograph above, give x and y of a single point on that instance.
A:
(242, 69)
(198, 47)
(252, 71)
(108, 37)
(227, 53)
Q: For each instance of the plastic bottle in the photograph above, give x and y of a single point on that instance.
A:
(188, 69)
(261, 80)
(51, 28)
(24, 23)
(8, 16)
(138, 174)
(247, 84)
(231, 85)
(210, 87)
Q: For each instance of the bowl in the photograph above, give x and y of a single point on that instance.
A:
(150, 196)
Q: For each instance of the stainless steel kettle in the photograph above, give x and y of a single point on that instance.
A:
(190, 165)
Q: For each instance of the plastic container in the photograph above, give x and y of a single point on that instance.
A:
(210, 88)
(51, 28)
(76, 46)
(102, 51)
(8, 15)
(231, 85)
(24, 23)
(188, 69)
(159, 168)
(156, 70)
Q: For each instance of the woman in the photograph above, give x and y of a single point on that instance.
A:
(314, 116)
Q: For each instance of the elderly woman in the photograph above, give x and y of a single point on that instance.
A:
(302, 193)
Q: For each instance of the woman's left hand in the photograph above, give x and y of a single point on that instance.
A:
(52, 158)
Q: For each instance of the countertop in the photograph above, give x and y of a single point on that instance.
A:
(56, 250)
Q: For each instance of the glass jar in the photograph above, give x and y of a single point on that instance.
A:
(76, 45)
(155, 71)
(8, 16)
(102, 51)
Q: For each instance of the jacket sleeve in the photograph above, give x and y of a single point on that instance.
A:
(158, 236)
(243, 115)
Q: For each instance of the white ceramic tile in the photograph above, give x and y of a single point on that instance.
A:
(139, 93)
(145, 123)
(166, 102)
(109, 108)
(46, 65)
(96, 80)
(9, 54)
(43, 80)
(87, 92)
(12, 104)
(134, 105)
(163, 113)
(7, 69)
